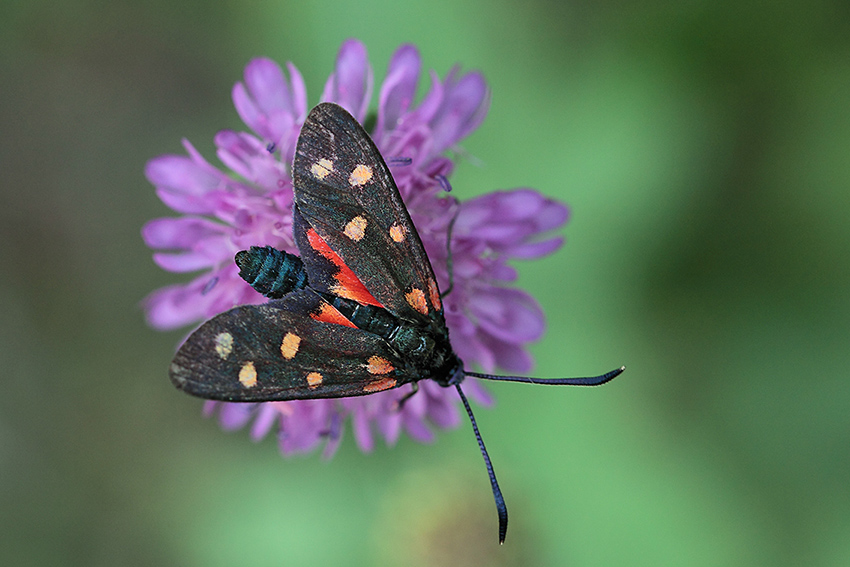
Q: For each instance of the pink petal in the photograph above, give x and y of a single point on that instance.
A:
(399, 88)
(183, 263)
(475, 390)
(182, 232)
(464, 107)
(362, 430)
(248, 157)
(266, 103)
(267, 85)
(235, 416)
(417, 429)
(511, 357)
(267, 416)
(508, 314)
(299, 94)
(181, 174)
(533, 250)
(188, 204)
(430, 104)
(350, 86)
(178, 305)
(248, 110)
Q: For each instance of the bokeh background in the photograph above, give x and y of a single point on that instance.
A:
(703, 147)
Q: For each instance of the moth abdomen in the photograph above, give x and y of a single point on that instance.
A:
(427, 350)
(270, 271)
(369, 318)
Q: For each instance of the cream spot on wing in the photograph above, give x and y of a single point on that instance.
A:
(314, 380)
(224, 345)
(360, 176)
(356, 228)
(398, 232)
(379, 365)
(416, 299)
(248, 375)
(289, 345)
(434, 294)
(379, 385)
(322, 168)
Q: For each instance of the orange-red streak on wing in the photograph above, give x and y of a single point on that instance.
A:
(379, 385)
(350, 286)
(330, 314)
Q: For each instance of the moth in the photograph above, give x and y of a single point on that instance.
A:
(358, 312)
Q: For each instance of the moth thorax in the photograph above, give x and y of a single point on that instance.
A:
(413, 343)
(270, 271)
(433, 356)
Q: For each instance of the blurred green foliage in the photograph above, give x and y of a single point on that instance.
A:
(703, 148)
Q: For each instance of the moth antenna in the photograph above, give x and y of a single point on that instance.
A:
(449, 261)
(501, 508)
(590, 381)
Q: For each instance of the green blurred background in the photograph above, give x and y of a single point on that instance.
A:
(703, 147)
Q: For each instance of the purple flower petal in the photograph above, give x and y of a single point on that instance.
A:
(181, 263)
(180, 174)
(235, 416)
(209, 407)
(267, 415)
(430, 104)
(267, 103)
(248, 157)
(474, 390)
(511, 357)
(552, 215)
(535, 249)
(398, 90)
(417, 429)
(508, 314)
(350, 86)
(362, 430)
(504, 272)
(265, 81)
(299, 95)
(465, 104)
(179, 233)
(389, 422)
(335, 432)
(188, 204)
(178, 305)
(442, 408)
(472, 350)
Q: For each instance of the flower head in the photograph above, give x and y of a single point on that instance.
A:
(223, 212)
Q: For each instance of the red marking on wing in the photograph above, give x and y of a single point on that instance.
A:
(434, 294)
(416, 299)
(350, 286)
(379, 385)
(330, 314)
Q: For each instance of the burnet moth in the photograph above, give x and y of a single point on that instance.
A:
(358, 312)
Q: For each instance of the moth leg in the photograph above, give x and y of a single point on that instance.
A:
(400, 403)
(449, 260)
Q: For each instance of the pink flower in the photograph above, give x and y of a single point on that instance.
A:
(490, 321)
